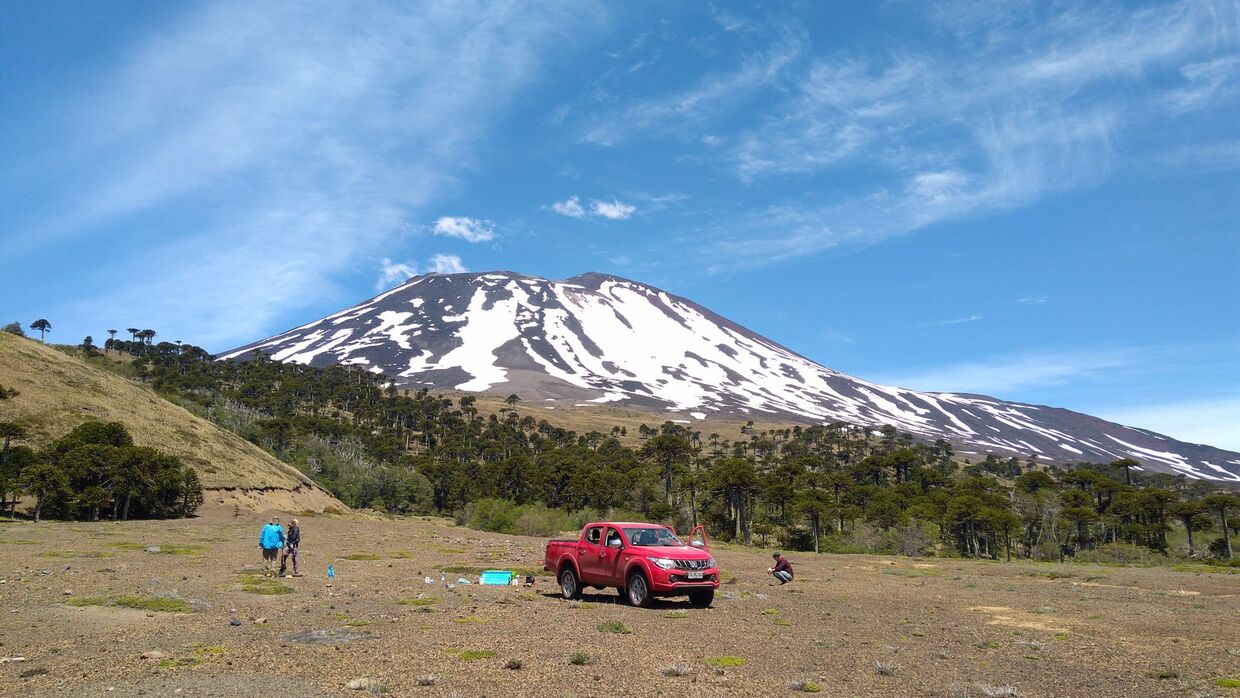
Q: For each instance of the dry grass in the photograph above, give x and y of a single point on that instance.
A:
(59, 392)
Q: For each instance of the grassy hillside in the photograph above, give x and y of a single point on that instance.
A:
(58, 392)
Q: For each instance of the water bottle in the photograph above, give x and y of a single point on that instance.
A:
(331, 571)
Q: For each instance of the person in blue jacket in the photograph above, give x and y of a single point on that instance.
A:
(271, 540)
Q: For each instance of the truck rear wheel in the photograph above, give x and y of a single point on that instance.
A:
(570, 588)
(639, 590)
(701, 598)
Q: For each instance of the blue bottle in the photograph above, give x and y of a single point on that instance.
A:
(331, 572)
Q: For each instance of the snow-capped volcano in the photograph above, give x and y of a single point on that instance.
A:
(599, 338)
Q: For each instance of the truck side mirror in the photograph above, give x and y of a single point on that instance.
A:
(697, 544)
(615, 543)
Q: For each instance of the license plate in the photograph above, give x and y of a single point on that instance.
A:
(693, 575)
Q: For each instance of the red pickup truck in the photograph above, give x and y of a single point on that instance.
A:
(641, 560)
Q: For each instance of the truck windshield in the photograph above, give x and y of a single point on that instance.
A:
(651, 537)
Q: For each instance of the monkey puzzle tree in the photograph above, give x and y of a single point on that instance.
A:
(43, 326)
(1220, 504)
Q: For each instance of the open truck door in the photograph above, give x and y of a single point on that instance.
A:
(697, 538)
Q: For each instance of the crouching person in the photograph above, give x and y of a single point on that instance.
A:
(782, 569)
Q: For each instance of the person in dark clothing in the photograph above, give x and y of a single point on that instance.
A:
(782, 569)
(292, 539)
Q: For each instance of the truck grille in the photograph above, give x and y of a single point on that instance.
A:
(692, 564)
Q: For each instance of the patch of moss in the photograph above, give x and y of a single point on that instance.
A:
(357, 623)
(85, 601)
(579, 659)
(160, 604)
(420, 601)
(1227, 683)
(676, 614)
(725, 661)
(613, 626)
(127, 545)
(770, 611)
(362, 556)
(402, 555)
(469, 620)
(266, 586)
(74, 553)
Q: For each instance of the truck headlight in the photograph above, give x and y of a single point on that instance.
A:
(710, 562)
(664, 563)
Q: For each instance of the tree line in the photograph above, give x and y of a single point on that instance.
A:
(827, 487)
(94, 470)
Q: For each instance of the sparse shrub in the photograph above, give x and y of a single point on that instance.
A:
(579, 659)
(162, 604)
(805, 687)
(613, 626)
(513, 664)
(427, 680)
(1164, 674)
(676, 614)
(1119, 552)
(677, 669)
(884, 669)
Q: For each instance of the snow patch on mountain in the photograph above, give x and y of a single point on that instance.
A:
(603, 339)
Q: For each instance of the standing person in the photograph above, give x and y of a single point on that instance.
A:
(782, 569)
(271, 539)
(291, 540)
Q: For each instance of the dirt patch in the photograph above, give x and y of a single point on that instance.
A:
(1012, 618)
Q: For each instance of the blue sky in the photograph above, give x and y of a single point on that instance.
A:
(1036, 201)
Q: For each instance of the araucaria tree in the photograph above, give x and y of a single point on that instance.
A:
(43, 326)
(96, 467)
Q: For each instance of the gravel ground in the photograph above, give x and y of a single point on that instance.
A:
(852, 625)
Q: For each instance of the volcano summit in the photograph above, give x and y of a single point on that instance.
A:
(599, 338)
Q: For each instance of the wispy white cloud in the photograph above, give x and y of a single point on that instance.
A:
(1021, 100)
(612, 210)
(1210, 421)
(394, 273)
(446, 264)
(570, 207)
(956, 321)
(1031, 300)
(309, 135)
(1002, 375)
(465, 228)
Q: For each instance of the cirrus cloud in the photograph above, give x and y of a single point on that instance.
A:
(465, 228)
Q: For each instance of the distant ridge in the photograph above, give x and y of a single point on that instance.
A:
(598, 338)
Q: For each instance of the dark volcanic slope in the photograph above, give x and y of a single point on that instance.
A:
(605, 339)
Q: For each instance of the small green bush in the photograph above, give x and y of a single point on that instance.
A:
(1122, 553)
(613, 626)
(725, 661)
(579, 659)
(161, 604)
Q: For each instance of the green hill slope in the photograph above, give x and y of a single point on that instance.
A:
(57, 392)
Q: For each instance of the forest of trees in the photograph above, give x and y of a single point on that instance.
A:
(836, 487)
(94, 470)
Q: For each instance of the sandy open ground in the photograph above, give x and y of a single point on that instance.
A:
(853, 625)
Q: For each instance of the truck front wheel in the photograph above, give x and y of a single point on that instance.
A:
(701, 598)
(639, 590)
(570, 588)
